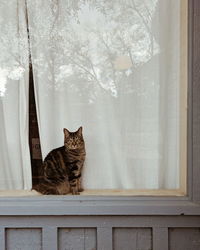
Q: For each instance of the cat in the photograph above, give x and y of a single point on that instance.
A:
(60, 172)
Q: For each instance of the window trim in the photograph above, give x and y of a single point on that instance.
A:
(193, 133)
(149, 205)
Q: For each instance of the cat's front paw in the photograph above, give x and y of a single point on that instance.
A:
(80, 189)
(75, 193)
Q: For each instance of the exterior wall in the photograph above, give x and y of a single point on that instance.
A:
(100, 232)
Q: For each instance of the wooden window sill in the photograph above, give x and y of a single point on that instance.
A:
(103, 192)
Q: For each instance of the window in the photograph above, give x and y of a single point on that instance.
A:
(117, 68)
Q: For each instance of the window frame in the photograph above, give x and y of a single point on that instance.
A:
(137, 205)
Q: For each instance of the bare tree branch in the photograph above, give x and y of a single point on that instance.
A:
(145, 24)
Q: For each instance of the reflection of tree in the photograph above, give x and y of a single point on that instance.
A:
(13, 43)
(131, 12)
(127, 32)
(84, 40)
(145, 23)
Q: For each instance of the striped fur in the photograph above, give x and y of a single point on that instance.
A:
(60, 172)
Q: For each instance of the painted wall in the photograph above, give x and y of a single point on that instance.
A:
(100, 232)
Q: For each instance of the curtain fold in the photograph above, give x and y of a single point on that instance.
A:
(15, 167)
(112, 67)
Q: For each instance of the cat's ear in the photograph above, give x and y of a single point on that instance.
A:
(80, 130)
(66, 132)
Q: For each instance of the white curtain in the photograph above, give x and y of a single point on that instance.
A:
(15, 167)
(113, 68)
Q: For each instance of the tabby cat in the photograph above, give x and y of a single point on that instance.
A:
(60, 172)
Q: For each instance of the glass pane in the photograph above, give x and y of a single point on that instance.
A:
(119, 70)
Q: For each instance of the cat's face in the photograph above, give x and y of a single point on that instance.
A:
(73, 140)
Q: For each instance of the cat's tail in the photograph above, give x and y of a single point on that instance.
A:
(45, 189)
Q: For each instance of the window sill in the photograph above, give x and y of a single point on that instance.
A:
(103, 192)
(91, 204)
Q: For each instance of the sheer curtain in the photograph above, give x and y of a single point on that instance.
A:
(15, 168)
(113, 68)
